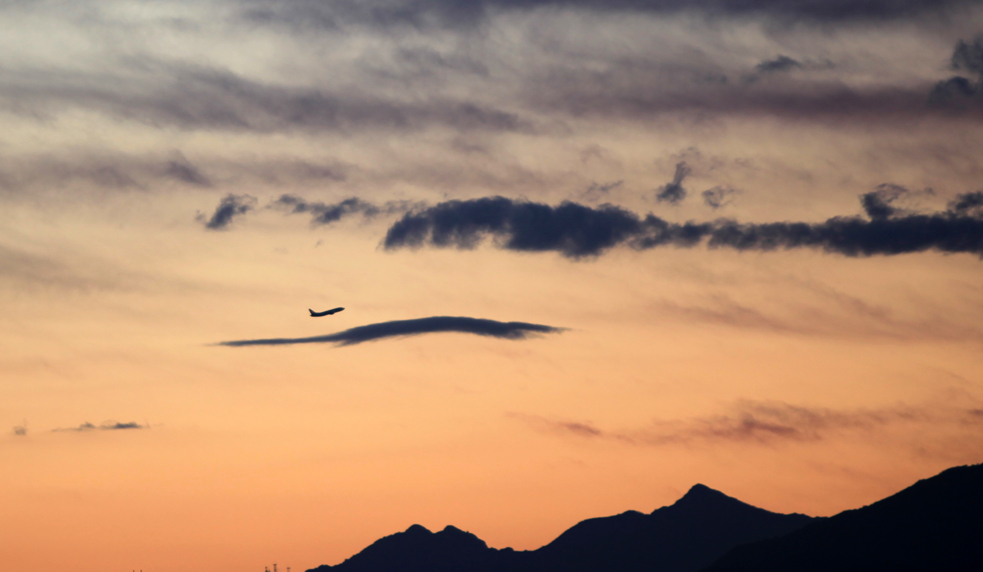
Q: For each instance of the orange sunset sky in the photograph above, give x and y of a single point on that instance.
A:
(145, 151)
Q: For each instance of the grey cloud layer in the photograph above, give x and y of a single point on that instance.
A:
(196, 97)
(402, 328)
(213, 99)
(420, 88)
(576, 230)
(421, 13)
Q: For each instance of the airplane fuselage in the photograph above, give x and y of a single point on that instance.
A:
(324, 313)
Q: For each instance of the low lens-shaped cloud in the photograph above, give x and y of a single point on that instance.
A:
(401, 328)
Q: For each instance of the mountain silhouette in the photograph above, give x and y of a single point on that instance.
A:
(686, 536)
(419, 550)
(935, 525)
(683, 537)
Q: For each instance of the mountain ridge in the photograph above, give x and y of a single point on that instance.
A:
(677, 538)
(934, 525)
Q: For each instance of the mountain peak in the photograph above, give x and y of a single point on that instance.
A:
(700, 489)
(702, 495)
(417, 529)
(452, 529)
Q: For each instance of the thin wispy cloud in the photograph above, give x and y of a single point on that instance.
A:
(719, 196)
(599, 192)
(760, 423)
(105, 426)
(578, 231)
(832, 315)
(779, 64)
(193, 97)
(181, 169)
(404, 328)
(324, 214)
(111, 170)
(646, 90)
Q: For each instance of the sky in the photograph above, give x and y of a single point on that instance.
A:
(590, 254)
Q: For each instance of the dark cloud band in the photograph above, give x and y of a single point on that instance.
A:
(398, 328)
(577, 231)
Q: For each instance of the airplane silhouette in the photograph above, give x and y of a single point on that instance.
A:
(324, 313)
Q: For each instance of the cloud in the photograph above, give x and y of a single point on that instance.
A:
(158, 93)
(20, 430)
(229, 208)
(674, 192)
(719, 196)
(578, 231)
(647, 98)
(182, 170)
(583, 429)
(762, 423)
(401, 328)
(51, 172)
(958, 90)
(39, 271)
(955, 90)
(301, 14)
(572, 229)
(837, 315)
(322, 214)
(968, 56)
(597, 191)
(105, 426)
(877, 204)
(851, 236)
(779, 64)
(968, 204)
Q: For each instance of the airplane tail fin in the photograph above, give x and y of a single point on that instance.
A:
(311, 311)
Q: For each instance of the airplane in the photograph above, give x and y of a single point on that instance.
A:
(324, 313)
